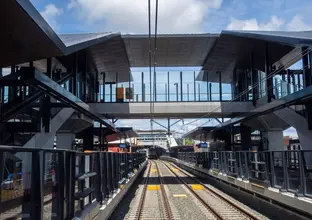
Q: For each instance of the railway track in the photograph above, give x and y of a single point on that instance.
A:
(148, 208)
(219, 205)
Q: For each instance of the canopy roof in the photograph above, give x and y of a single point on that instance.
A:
(26, 37)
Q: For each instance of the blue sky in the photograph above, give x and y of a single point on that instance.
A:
(176, 16)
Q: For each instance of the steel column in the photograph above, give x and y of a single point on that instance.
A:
(220, 85)
(309, 115)
(75, 72)
(254, 79)
(143, 89)
(194, 86)
(306, 68)
(207, 84)
(168, 81)
(181, 86)
(84, 82)
(155, 87)
(269, 80)
(104, 85)
(188, 93)
(234, 86)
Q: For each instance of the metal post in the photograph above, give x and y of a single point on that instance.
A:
(143, 93)
(75, 68)
(207, 84)
(166, 97)
(84, 83)
(143, 88)
(181, 87)
(198, 92)
(155, 87)
(194, 86)
(36, 188)
(254, 79)
(104, 83)
(269, 80)
(188, 93)
(288, 82)
(220, 86)
(210, 95)
(299, 81)
(168, 87)
(177, 91)
(111, 92)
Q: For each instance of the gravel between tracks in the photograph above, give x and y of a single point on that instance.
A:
(189, 208)
(183, 204)
(221, 206)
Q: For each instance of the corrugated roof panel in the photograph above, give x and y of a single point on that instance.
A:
(73, 39)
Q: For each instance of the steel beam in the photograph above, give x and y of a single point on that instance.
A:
(34, 78)
(75, 70)
(254, 79)
(306, 68)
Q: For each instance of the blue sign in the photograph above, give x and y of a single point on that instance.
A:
(122, 145)
(203, 145)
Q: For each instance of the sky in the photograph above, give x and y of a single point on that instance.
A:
(176, 16)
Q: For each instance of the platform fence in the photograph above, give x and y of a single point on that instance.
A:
(57, 184)
(289, 171)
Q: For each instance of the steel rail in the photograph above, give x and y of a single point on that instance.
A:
(221, 197)
(216, 214)
(164, 195)
(142, 199)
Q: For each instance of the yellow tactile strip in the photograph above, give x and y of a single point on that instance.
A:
(197, 187)
(153, 187)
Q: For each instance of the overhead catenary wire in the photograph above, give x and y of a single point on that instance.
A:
(152, 88)
(272, 74)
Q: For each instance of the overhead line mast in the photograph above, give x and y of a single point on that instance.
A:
(152, 91)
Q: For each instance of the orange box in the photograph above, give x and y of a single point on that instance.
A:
(120, 93)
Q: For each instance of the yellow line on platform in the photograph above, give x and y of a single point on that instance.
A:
(197, 187)
(153, 187)
(154, 170)
(253, 184)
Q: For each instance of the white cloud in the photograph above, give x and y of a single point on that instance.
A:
(273, 24)
(175, 16)
(297, 24)
(50, 13)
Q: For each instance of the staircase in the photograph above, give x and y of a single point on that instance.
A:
(296, 120)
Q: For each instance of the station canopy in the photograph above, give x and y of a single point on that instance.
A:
(26, 37)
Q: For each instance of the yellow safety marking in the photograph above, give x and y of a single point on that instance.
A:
(175, 170)
(215, 173)
(153, 187)
(154, 170)
(257, 185)
(179, 195)
(197, 187)
(121, 186)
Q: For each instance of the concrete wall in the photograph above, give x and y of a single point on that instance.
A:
(275, 139)
(172, 109)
